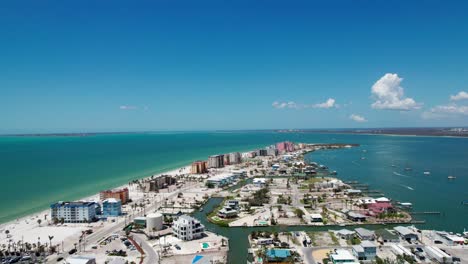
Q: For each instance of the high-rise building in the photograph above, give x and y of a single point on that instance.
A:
(121, 194)
(285, 146)
(199, 167)
(216, 161)
(111, 207)
(234, 158)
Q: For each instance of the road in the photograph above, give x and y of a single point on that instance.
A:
(112, 228)
(151, 257)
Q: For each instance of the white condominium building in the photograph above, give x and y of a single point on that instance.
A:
(187, 228)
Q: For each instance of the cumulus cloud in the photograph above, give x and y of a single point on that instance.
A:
(327, 104)
(282, 105)
(460, 96)
(357, 118)
(127, 107)
(389, 95)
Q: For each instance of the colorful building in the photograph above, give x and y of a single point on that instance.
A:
(121, 194)
(75, 212)
(216, 161)
(199, 167)
(111, 207)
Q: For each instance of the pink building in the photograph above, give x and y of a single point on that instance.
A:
(285, 146)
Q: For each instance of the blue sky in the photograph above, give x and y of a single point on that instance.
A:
(195, 65)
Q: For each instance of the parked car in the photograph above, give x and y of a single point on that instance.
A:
(73, 251)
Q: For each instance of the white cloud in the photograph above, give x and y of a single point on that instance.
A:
(330, 103)
(327, 104)
(282, 105)
(357, 118)
(389, 95)
(460, 96)
(450, 109)
(127, 107)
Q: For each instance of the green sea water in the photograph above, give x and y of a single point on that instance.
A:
(36, 171)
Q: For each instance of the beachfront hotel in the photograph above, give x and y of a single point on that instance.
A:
(187, 228)
(199, 167)
(285, 147)
(232, 158)
(216, 161)
(121, 194)
(111, 207)
(75, 212)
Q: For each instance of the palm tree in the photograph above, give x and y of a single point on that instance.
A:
(39, 221)
(7, 232)
(50, 240)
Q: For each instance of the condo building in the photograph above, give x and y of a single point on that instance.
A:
(121, 194)
(111, 207)
(187, 228)
(199, 167)
(216, 161)
(75, 212)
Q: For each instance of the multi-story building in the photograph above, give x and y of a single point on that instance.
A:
(160, 182)
(216, 161)
(262, 152)
(232, 158)
(75, 212)
(187, 228)
(121, 194)
(285, 146)
(111, 207)
(272, 151)
(199, 167)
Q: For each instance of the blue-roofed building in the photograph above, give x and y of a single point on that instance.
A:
(111, 207)
(278, 255)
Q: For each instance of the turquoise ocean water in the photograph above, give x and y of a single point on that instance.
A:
(36, 171)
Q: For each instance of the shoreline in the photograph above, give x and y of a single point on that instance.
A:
(94, 197)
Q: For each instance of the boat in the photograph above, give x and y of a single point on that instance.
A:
(427, 173)
(201, 209)
(451, 177)
(333, 173)
(363, 158)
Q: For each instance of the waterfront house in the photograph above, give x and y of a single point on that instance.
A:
(260, 182)
(356, 217)
(316, 218)
(386, 236)
(342, 256)
(367, 250)
(75, 212)
(111, 207)
(221, 180)
(345, 234)
(365, 234)
(277, 255)
(406, 233)
(353, 192)
(187, 228)
(227, 212)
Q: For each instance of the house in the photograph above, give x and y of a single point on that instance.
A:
(111, 207)
(234, 204)
(387, 236)
(345, 233)
(356, 217)
(227, 212)
(221, 180)
(406, 233)
(343, 256)
(365, 234)
(187, 228)
(380, 207)
(367, 250)
(353, 192)
(316, 218)
(278, 255)
(260, 182)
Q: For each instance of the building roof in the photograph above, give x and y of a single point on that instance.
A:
(356, 215)
(316, 216)
(382, 200)
(367, 244)
(278, 253)
(358, 248)
(386, 235)
(364, 232)
(403, 230)
(200, 259)
(342, 255)
(80, 259)
(111, 200)
(345, 232)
